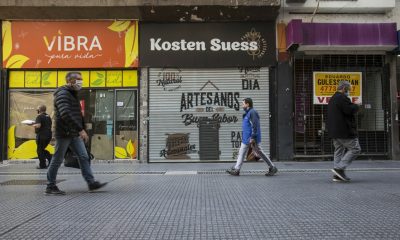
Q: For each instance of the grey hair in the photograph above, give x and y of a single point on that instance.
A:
(343, 84)
(71, 75)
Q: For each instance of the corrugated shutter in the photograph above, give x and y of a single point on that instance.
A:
(196, 114)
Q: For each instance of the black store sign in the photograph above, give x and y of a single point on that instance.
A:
(207, 44)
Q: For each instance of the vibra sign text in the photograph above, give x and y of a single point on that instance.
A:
(72, 43)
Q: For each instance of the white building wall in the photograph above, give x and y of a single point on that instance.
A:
(391, 14)
(341, 6)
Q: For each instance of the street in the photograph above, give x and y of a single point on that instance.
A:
(201, 201)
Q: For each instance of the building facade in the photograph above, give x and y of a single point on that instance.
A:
(36, 58)
(357, 43)
(164, 79)
(170, 103)
(198, 75)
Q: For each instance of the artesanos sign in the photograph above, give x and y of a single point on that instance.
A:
(207, 44)
(100, 44)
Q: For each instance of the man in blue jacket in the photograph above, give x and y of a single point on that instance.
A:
(251, 135)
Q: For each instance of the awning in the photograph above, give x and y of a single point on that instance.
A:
(341, 36)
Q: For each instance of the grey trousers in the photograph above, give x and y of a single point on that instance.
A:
(346, 150)
(243, 152)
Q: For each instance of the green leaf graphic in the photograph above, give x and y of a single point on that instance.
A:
(99, 75)
(97, 82)
(46, 76)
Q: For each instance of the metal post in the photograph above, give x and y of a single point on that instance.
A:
(394, 116)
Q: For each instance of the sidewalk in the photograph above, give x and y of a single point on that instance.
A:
(200, 201)
(120, 167)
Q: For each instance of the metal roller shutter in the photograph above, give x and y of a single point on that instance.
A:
(196, 114)
(311, 139)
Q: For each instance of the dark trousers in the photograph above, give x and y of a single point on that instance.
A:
(42, 153)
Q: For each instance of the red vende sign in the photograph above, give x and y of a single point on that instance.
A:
(103, 44)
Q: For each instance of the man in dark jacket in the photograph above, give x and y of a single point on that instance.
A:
(343, 130)
(42, 127)
(251, 135)
(69, 132)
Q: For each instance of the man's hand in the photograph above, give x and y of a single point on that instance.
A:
(252, 141)
(83, 135)
(358, 102)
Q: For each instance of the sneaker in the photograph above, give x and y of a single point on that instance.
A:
(233, 171)
(340, 174)
(345, 176)
(96, 185)
(272, 171)
(336, 179)
(54, 190)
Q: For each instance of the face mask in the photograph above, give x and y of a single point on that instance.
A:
(347, 93)
(78, 85)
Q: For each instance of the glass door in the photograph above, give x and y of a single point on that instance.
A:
(126, 124)
(102, 122)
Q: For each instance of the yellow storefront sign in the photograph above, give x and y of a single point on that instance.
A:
(98, 78)
(49, 79)
(32, 79)
(91, 79)
(325, 85)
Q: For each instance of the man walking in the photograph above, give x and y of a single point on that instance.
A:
(69, 132)
(42, 127)
(251, 135)
(343, 130)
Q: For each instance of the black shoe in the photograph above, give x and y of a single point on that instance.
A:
(41, 167)
(96, 185)
(272, 171)
(53, 189)
(345, 176)
(336, 179)
(340, 174)
(233, 171)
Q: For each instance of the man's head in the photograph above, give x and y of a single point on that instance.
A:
(344, 87)
(74, 79)
(247, 103)
(41, 109)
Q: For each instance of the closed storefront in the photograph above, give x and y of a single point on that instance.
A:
(106, 54)
(198, 75)
(197, 114)
(358, 55)
(311, 112)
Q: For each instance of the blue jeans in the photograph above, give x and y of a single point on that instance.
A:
(78, 147)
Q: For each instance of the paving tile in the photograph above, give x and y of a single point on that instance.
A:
(291, 205)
